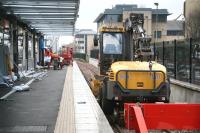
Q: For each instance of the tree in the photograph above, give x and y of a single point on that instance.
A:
(192, 25)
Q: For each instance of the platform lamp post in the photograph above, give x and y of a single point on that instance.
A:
(156, 4)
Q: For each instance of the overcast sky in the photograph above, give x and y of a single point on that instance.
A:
(90, 9)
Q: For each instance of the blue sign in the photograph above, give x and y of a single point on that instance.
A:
(41, 43)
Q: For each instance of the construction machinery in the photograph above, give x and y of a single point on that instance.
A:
(67, 55)
(126, 70)
(51, 59)
(172, 117)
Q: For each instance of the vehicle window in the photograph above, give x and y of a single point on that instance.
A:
(112, 43)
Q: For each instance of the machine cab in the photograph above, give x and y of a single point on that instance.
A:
(111, 47)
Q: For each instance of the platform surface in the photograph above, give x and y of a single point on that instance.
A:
(79, 110)
(34, 111)
(62, 102)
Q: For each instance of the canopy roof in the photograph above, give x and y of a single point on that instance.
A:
(47, 16)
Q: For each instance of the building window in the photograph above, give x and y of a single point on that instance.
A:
(160, 19)
(80, 42)
(113, 18)
(159, 34)
(174, 33)
(79, 36)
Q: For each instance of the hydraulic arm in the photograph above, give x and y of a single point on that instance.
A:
(141, 42)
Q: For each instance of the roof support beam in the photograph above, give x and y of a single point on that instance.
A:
(39, 1)
(46, 16)
(50, 18)
(37, 6)
(44, 13)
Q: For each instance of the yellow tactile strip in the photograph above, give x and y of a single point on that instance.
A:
(65, 120)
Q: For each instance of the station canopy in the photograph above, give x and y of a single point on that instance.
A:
(49, 17)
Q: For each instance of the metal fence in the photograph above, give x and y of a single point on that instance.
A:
(80, 56)
(181, 58)
(94, 53)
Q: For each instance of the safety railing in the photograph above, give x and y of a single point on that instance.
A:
(181, 57)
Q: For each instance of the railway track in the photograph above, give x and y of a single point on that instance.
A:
(87, 69)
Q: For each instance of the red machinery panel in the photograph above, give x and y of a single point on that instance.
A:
(162, 116)
(67, 54)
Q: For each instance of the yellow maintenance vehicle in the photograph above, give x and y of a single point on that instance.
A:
(126, 70)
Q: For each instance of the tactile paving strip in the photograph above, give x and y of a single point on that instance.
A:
(65, 119)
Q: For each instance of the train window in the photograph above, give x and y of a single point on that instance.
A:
(112, 43)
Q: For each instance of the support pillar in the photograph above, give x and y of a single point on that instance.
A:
(163, 53)
(190, 61)
(11, 48)
(34, 43)
(26, 49)
(41, 54)
(175, 66)
(154, 51)
(15, 49)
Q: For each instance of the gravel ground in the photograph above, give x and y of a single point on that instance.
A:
(87, 69)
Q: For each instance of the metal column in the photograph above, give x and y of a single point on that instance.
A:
(26, 49)
(34, 43)
(15, 48)
(163, 53)
(41, 50)
(154, 51)
(175, 67)
(190, 61)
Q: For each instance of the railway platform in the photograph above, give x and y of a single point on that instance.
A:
(62, 102)
(79, 110)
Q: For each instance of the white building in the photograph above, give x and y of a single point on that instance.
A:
(84, 41)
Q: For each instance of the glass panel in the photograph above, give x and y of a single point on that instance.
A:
(196, 62)
(113, 18)
(159, 52)
(20, 51)
(1, 38)
(174, 32)
(159, 34)
(169, 57)
(94, 53)
(112, 43)
(7, 40)
(183, 60)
